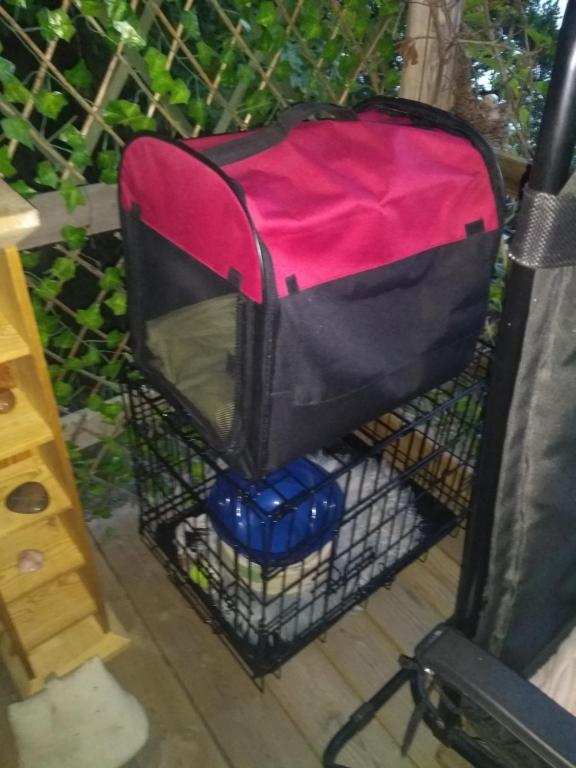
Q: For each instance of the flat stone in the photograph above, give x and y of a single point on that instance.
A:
(28, 498)
(30, 560)
(7, 401)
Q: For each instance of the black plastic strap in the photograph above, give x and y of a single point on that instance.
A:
(257, 141)
(474, 227)
(546, 231)
(292, 284)
(296, 114)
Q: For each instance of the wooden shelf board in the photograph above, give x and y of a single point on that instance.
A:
(28, 470)
(12, 345)
(62, 654)
(50, 609)
(50, 537)
(74, 646)
(22, 428)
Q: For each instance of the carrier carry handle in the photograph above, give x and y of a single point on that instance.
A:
(296, 114)
(257, 141)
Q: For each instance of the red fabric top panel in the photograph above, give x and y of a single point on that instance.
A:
(337, 197)
(333, 199)
(191, 205)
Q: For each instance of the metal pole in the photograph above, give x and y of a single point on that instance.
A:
(551, 170)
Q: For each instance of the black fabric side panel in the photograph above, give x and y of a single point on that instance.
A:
(339, 337)
(163, 271)
(162, 279)
(531, 590)
(299, 430)
(351, 349)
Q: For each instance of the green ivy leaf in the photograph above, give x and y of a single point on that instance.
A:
(109, 175)
(81, 158)
(129, 34)
(157, 63)
(112, 369)
(111, 411)
(48, 288)
(311, 28)
(23, 189)
(205, 53)
(524, 116)
(117, 303)
(79, 75)
(189, 20)
(91, 317)
(267, 14)
(246, 74)
(126, 113)
(72, 136)
(117, 9)
(179, 92)
(108, 161)
(197, 111)
(108, 158)
(7, 69)
(73, 364)
(6, 167)
(15, 91)
(18, 3)
(91, 7)
(19, 129)
(50, 103)
(111, 280)
(92, 357)
(63, 390)
(331, 50)
(72, 194)
(63, 268)
(95, 402)
(55, 25)
(114, 339)
(29, 259)
(46, 175)
(75, 237)
(65, 340)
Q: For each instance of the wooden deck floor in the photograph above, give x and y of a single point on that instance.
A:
(205, 711)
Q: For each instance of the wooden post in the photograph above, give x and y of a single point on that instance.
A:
(51, 610)
(428, 69)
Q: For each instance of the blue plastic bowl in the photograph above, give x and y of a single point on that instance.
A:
(258, 520)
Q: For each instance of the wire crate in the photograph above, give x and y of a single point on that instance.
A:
(388, 493)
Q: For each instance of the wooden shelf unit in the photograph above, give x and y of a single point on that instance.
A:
(54, 618)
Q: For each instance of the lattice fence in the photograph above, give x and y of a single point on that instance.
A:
(78, 78)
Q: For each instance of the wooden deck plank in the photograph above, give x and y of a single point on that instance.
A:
(9, 758)
(367, 658)
(453, 545)
(403, 615)
(179, 738)
(252, 728)
(319, 701)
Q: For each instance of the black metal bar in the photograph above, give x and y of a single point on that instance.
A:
(363, 715)
(541, 725)
(551, 169)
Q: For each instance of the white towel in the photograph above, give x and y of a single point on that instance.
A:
(557, 677)
(82, 720)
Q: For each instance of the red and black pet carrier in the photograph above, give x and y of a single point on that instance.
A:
(289, 283)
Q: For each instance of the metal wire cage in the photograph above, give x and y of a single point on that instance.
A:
(401, 483)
